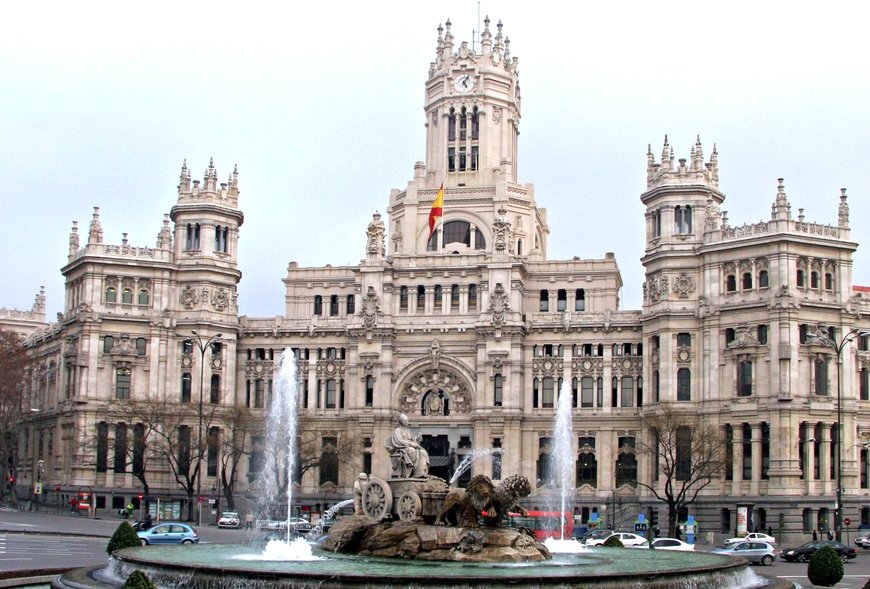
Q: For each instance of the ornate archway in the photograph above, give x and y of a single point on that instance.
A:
(435, 385)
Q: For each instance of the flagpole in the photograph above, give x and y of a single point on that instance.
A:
(443, 212)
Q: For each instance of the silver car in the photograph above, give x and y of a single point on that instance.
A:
(752, 551)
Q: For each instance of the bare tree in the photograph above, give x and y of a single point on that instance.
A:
(234, 447)
(183, 444)
(14, 368)
(688, 454)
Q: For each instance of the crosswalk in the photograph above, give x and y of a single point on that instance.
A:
(33, 547)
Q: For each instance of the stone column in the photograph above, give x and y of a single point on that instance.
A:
(756, 458)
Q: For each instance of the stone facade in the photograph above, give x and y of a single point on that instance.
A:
(471, 332)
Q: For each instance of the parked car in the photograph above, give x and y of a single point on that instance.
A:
(296, 524)
(752, 551)
(595, 535)
(672, 544)
(753, 537)
(805, 551)
(229, 519)
(863, 542)
(627, 538)
(168, 533)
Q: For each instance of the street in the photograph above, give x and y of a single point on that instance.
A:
(36, 541)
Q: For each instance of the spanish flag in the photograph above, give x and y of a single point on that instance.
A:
(436, 210)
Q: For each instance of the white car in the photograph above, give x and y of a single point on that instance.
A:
(628, 540)
(753, 537)
(229, 519)
(671, 544)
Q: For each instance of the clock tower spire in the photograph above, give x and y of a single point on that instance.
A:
(472, 110)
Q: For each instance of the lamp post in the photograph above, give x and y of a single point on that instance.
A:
(202, 345)
(838, 348)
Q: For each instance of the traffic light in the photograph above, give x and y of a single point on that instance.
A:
(654, 517)
(11, 482)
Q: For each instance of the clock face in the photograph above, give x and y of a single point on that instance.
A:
(463, 83)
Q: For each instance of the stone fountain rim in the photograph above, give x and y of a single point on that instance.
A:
(125, 555)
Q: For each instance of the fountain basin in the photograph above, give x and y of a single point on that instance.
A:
(217, 567)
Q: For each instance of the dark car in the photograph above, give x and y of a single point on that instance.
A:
(805, 551)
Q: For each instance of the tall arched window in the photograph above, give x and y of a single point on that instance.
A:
(215, 389)
(561, 299)
(318, 305)
(421, 297)
(684, 385)
(127, 296)
(185, 387)
(143, 298)
(111, 294)
(763, 279)
(747, 281)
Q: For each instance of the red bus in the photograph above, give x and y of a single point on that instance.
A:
(545, 524)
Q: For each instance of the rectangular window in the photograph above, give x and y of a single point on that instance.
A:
(102, 446)
(185, 387)
(370, 391)
(472, 296)
(140, 346)
(561, 300)
(122, 383)
(548, 393)
(475, 157)
(351, 305)
(544, 301)
(762, 335)
(580, 300)
(403, 298)
(684, 454)
(183, 454)
(684, 385)
(684, 340)
(214, 437)
(259, 390)
(744, 379)
(108, 344)
(587, 394)
(765, 451)
(139, 449)
(454, 296)
(821, 377)
(497, 390)
(330, 394)
(451, 159)
(329, 461)
(747, 452)
(627, 391)
(864, 384)
(120, 448)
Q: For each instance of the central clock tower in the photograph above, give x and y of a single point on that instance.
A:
(472, 111)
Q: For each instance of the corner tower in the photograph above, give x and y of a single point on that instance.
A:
(207, 220)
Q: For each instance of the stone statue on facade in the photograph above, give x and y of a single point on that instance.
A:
(375, 234)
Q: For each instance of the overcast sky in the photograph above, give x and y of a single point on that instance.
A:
(321, 108)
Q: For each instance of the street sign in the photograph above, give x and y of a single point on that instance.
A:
(847, 521)
(37, 488)
(199, 499)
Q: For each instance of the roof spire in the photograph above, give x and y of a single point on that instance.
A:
(843, 213)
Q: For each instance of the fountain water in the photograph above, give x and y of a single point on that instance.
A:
(466, 463)
(281, 434)
(563, 449)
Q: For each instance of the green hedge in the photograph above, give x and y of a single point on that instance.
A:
(613, 542)
(138, 580)
(825, 568)
(124, 537)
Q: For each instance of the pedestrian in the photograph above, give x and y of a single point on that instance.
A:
(769, 531)
(815, 536)
(830, 535)
(249, 521)
(73, 505)
(677, 533)
(130, 510)
(148, 520)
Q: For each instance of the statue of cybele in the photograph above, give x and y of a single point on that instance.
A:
(409, 458)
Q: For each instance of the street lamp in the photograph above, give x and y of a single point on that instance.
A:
(203, 345)
(838, 347)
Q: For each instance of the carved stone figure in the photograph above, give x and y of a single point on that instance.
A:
(501, 230)
(481, 496)
(358, 486)
(498, 305)
(375, 235)
(435, 354)
(409, 458)
(371, 308)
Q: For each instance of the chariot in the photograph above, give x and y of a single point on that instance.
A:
(408, 499)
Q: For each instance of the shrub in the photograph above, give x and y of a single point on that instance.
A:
(138, 580)
(124, 537)
(613, 542)
(825, 568)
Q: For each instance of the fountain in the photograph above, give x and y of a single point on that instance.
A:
(563, 470)
(447, 557)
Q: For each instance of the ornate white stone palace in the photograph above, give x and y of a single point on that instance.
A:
(470, 333)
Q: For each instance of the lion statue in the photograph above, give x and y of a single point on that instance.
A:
(483, 499)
